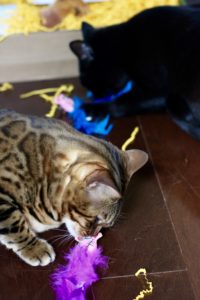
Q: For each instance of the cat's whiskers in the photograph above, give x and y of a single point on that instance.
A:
(70, 242)
(113, 229)
(122, 214)
(121, 218)
(66, 239)
(55, 238)
(57, 235)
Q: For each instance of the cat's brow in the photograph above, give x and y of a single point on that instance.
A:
(74, 208)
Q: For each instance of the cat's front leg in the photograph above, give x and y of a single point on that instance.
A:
(16, 234)
(37, 252)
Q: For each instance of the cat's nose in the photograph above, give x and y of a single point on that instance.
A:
(110, 224)
(95, 231)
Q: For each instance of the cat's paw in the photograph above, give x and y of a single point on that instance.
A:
(41, 254)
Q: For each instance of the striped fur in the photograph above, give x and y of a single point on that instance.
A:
(49, 174)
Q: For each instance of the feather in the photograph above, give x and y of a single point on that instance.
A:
(70, 282)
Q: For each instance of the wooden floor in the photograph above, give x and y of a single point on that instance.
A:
(160, 228)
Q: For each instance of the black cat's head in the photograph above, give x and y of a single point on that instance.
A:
(99, 71)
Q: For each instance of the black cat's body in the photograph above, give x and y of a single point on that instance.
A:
(159, 50)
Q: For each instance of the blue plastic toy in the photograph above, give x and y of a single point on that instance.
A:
(84, 123)
(111, 98)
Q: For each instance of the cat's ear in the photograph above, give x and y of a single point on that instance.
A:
(87, 30)
(134, 160)
(81, 50)
(100, 186)
(98, 192)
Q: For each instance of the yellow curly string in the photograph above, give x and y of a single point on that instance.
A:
(26, 17)
(6, 87)
(141, 274)
(130, 139)
(43, 94)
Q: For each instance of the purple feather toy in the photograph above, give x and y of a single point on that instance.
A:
(70, 282)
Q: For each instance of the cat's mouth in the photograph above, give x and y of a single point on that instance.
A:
(81, 238)
(88, 233)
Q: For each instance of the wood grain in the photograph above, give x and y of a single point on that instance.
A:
(160, 222)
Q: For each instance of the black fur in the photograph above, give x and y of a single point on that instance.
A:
(159, 49)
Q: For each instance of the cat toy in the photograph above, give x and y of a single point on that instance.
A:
(73, 107)
(111, 98)
(84, 123)
(70, 282)
(48, 95)
(59, 98)
(79, 118)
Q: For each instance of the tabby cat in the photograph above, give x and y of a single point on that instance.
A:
(51, 174)
(159, 51)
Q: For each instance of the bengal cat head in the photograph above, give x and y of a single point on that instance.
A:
(96, 204)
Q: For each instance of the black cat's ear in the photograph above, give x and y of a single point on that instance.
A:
(87, 30)
(81, 50)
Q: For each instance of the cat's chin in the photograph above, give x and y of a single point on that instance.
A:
(70, 227)
(73, 232)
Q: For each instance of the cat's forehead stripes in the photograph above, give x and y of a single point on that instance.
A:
(14, 129)
(77, 215)
(44, 167)
(79, 211)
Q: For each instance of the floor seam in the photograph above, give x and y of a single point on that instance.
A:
(165, 202)
(150, 273)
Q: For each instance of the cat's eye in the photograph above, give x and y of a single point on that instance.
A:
(96, 220)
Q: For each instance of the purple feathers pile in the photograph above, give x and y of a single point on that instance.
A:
(71, 281)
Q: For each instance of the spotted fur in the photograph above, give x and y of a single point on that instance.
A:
(51, 174)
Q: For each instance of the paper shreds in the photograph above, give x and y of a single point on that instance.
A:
(25, 19)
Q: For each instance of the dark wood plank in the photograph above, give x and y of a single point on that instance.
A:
(176, 159)
(138, 238)
(144, 237)
(167, 286)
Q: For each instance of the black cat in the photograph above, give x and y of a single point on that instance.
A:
(159, 50)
